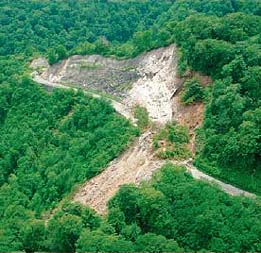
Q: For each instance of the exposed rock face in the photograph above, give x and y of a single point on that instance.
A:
(148, 80)
(95, 72)
(157, 83)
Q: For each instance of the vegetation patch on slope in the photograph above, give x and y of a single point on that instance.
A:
(172, 142)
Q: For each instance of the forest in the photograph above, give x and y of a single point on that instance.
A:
(172, 213)
(51, 142)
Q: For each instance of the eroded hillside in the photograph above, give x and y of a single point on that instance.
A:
(149, 80)
(153, 83)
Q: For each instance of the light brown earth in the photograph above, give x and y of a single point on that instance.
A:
(134, 166)
(191, 116)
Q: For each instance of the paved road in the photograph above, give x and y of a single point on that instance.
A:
(119, 107)
(123, 110)
(230, 189)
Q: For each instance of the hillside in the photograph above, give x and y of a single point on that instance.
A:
(145, 133)
(153, 71)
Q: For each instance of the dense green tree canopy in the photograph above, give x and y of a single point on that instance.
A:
(50, 142)
(68, 23)
(199, 217)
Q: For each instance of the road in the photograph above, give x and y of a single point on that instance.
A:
(119, 107)
(230, 189)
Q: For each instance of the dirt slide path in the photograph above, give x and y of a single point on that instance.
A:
(134, 166)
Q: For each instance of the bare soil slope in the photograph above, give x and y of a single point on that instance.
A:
(134, 166)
